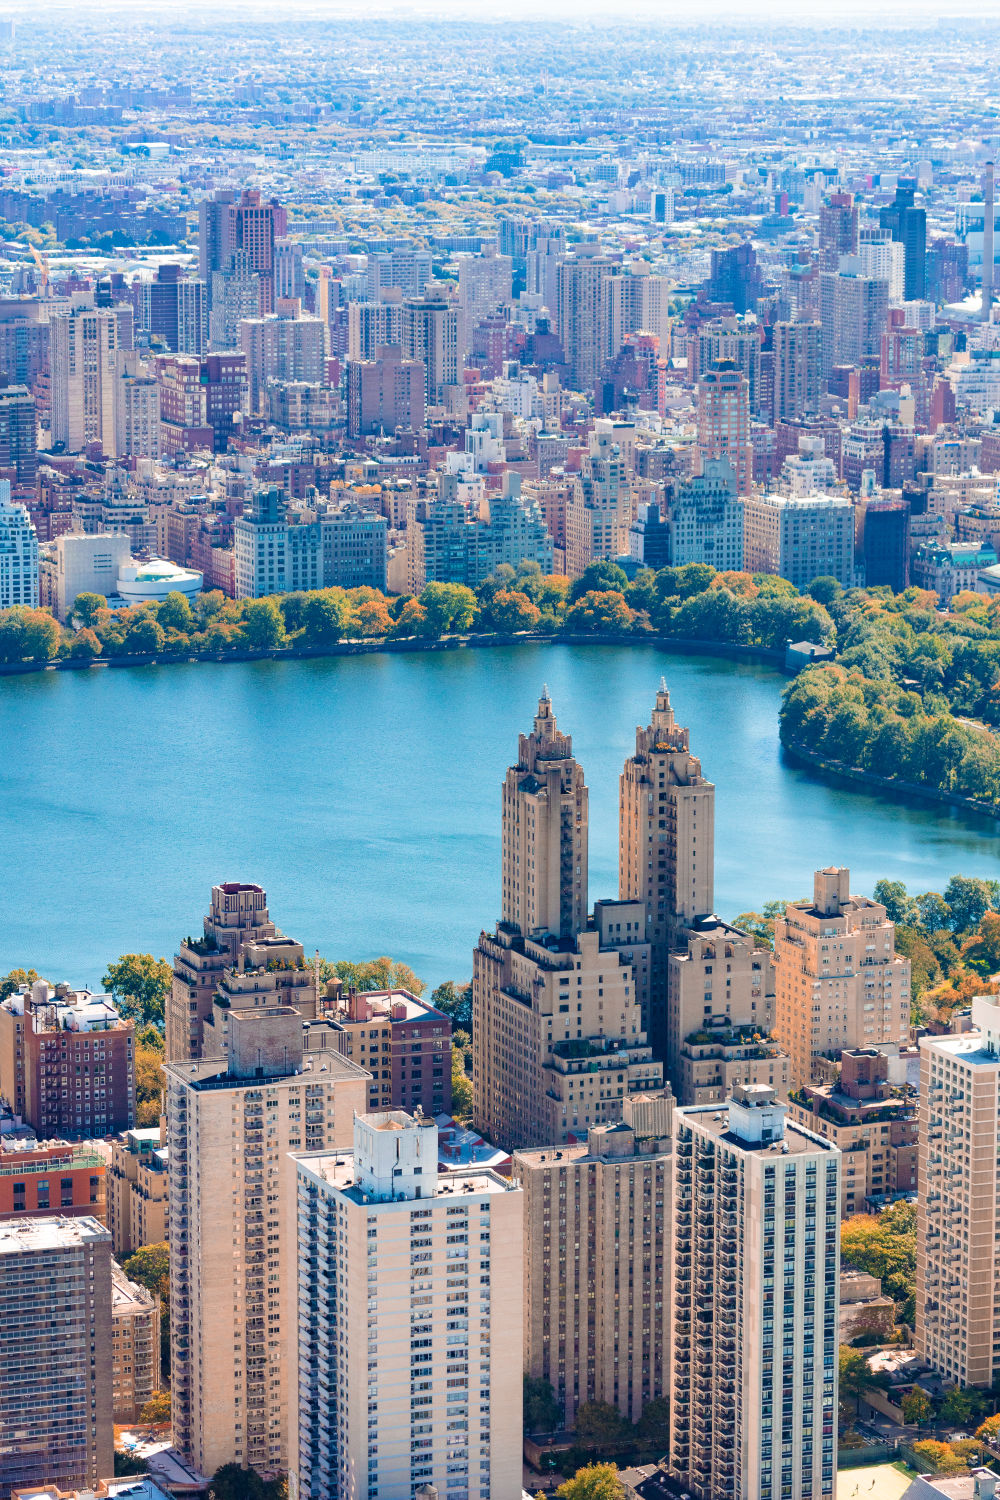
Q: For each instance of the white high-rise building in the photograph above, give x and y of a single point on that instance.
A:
(756, 1275)
(410, 1317)
(18, 553)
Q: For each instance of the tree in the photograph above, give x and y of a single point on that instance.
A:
(961, 1405)
(231, 1482)
(593, 1482)
(411, 620)
(145, 637)
(456, 1001)
(87, 608)
(601, 1427)
(511, 611)
(933, 912)
(263, 624)
(15, 979)
(940, 1457)
(140, 984)
(969, 899)
(175, 613)
(918, 1408)
(149, 1085)
(325, 617)
(825, 590)
(599, 577)
(885, 1245)
(892, 895)
(27, 635)
(126, 1462)
(989, 1431)
(461, 1087)
(150, 1267)
(542, 1412)
(855, 1375)
(653, 1427)
(85, 644)
(449, 608)
(379, 974)
(374, 618)
(156, 1409)
(601, 613)
(982, 951)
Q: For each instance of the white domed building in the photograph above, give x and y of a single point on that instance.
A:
(151, 582)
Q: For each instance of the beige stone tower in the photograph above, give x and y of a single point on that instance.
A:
(544, 833)
(838, 981)
(231, 1125)
(237, 914)
(666, 842)
(558, 1035)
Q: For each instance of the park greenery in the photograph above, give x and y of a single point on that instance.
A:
(885, 1245)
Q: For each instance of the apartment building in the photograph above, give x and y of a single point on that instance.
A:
(404, 1042)
(839, 982)
(67, 1062)
(56, 1422)
(83, 349)
(872, 1122)
(597, 1238)
(231, 1125)
(138, 1190)
(720, 1014)
(558, 1039)
(724, 421)
(800, 537)
(135, 1346)
(958, 1317)
(237, 915)
(666, 848)
(18, 553)
(409, 1321)
(429, 332)
(704, 518)
(756, 1257)
(51, 1179)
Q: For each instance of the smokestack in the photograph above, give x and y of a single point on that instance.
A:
(988, 210)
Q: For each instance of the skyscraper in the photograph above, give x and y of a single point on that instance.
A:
(582, 316)
(756, 1260)
(724, 421)
(18, 438)
(838, 229)
(958, 1254)
(231, 1125)
(84, 361)
(736, 278)
(236, 236)
(705, 518)
(666, 857)
(558, 1036)
(798, 368)
(429, 331)
(908, 226)
(237, 915)
(18, 553)
(56, 1421)
(839, 982)
(597, 1233)
(409, 1321)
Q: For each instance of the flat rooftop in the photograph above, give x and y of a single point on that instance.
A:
(337, 1169)
(715, 1121)
(966, 1045)
(213, 1073)
(34, 1235)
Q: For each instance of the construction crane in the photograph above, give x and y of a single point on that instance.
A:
(43, 268)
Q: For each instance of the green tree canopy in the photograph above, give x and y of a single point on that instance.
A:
(140, 984)
(150, 1267)
(456, 1001)
(379, 974)
(598, 577)
(593, 1482)
(15, 979)
(87, 607)
(542, 1412)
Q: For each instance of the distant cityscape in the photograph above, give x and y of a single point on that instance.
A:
(356, 334)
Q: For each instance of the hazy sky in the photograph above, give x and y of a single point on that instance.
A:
(845, 12)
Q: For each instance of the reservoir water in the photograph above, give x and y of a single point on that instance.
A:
(363, 794)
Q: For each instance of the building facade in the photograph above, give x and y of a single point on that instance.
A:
(800, 537)
(409, 1321)
(56, 1421)
(597, 1238)
(839, 982)
(18, 554)
(756, 1258)
(231, 1125)
(957, 1318)
(135, 1346)
(138, 1190)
